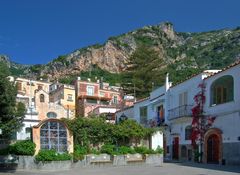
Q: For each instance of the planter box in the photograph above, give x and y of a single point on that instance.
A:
(154, 159)
(26, 162)
(54, 165)
(119, 160)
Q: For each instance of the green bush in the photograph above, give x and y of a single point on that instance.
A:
(95, 151)
(24, 147)
(126, 150)
(109, 149)
(52, 155)
(144, 150)
(159, 150)
(79, 152)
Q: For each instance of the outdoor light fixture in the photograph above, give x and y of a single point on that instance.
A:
(123, 117)
(0, 131)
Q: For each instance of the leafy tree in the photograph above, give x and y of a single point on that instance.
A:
(143, 72)
(11, 113)
(95, 131)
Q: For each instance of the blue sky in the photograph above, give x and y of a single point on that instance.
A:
(37, 31)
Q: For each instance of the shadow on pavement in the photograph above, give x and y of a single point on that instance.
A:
(227, 168)
(8, 167)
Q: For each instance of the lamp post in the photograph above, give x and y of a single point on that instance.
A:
(109, 117)
(123, 117)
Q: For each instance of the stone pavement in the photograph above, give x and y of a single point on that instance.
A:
(166, 169)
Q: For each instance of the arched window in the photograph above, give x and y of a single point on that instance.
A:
(53, 135)
(42, 98)
(51, 115)
(188, 132)
(222, 90)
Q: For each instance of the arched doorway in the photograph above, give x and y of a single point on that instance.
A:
(213, 146)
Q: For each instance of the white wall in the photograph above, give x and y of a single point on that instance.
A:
(226, 107)
(137, 109)
(129, 112)
(227, 114)
(157, 140)
(22, 135)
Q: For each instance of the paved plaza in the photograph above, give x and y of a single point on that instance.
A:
(166, 169)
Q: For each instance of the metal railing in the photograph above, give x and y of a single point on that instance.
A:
(180, 111)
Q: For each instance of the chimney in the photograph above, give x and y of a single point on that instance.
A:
(167, 84)
(101, 83)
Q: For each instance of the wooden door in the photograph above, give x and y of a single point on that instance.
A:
(213, 149)
(176, 148)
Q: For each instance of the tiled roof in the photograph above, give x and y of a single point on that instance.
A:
(141, 100)
(126, 108)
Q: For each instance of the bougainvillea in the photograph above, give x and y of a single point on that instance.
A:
(200, 122)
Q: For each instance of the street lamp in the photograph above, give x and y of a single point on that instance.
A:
(123, 117)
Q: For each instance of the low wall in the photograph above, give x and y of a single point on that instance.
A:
(29, 163)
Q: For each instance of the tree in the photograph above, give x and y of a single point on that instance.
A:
(143, 72)
(11, 113)
(200, 122)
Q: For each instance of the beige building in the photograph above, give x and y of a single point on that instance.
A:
(44, 111)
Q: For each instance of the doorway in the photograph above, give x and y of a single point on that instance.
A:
(176, 148)
(213, 149)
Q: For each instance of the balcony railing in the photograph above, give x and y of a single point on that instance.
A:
(181, 111)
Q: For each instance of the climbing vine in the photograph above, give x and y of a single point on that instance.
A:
(200, 122)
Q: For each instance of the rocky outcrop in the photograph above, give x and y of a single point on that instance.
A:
(204, 50)
(112, 55)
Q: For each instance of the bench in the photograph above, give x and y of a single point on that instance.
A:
(134, 158)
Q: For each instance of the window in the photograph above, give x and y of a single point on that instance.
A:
(19, 86)
(28, 130)
(143, 115)
(222, 90)
(102, 94)
(183, 151)
(160, 114)
(53, 135)
(69, 97)
(188, 132)
(40, 87)
(51, 115)
(183, 99)
(42, 98)
(92, 101)
(90, 90)
(103, 102)
(115, 100)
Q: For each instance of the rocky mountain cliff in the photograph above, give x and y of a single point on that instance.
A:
(204, 50)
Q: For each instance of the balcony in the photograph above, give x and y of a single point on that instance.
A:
(179, 112)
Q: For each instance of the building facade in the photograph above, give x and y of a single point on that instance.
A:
(42, 121)
(93, 97)
(170, 107)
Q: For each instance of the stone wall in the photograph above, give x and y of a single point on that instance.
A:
(29, 163)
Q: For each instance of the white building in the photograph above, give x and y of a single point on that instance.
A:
(170, 107)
